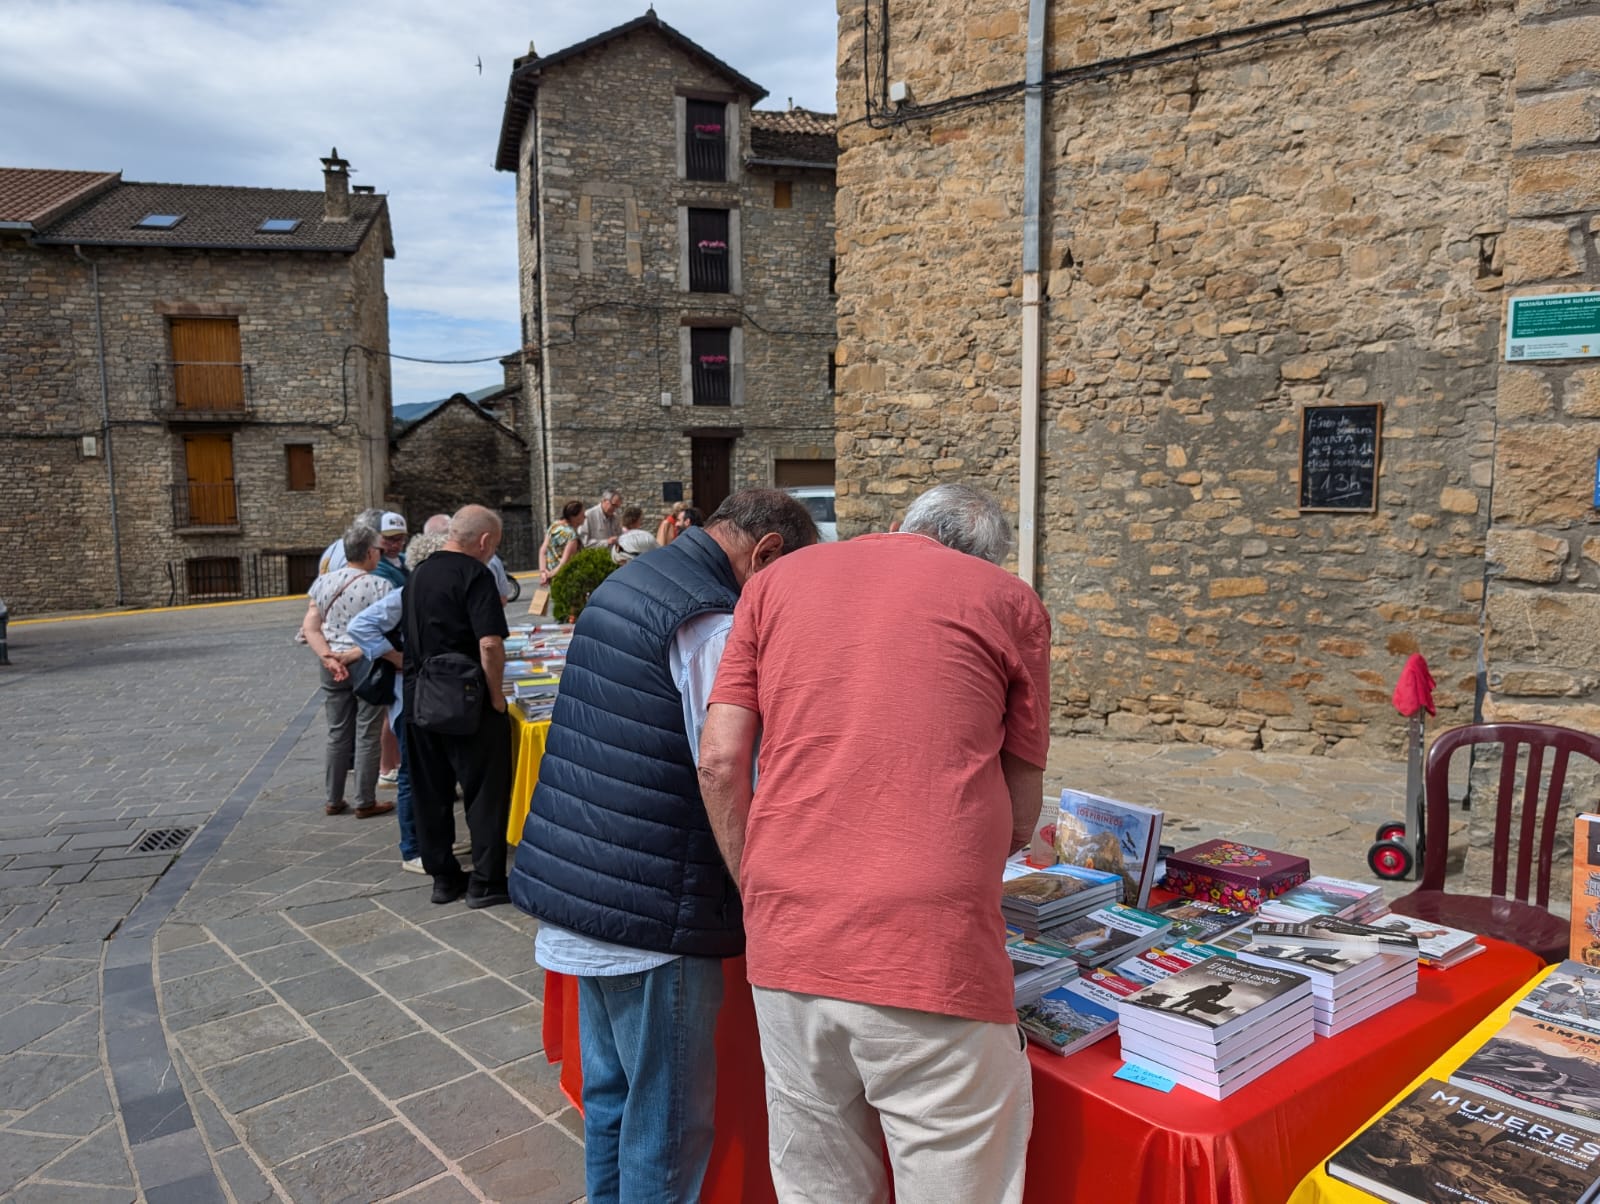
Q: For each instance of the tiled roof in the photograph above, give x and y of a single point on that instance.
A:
(216, 217)
(526, 70)
(794, 135)
(34, 196)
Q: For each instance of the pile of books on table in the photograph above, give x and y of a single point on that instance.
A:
(1324, 896)
(535, 655)
(1034, 900)
(1356, 971)
(1037, 965)
(1519, 1120)
(1218, 1024)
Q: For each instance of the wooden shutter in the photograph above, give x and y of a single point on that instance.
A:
(300, 462)
(782, 194)
(207, 373)
(209, 462)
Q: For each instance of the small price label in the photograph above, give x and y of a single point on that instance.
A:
(1134, 1073)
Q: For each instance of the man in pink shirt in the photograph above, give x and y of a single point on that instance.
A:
(900, 688)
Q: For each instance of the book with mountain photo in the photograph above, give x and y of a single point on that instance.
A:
(1569, 996)
(1067, 1019)
(1107, 834)
(1540, 1066)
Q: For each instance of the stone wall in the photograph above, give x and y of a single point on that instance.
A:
(453, 456)
(599, 246)
(1226, 242)
(296, 312)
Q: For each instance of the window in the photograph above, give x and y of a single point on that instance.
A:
(782, 194)
(300, 570)
(206, 372)
(279, 225)
(711, 365)
(159, 221)
(705, 138)
(709, 251)
(213, 577)
(301, 465)
(833, 373)
(209, 496)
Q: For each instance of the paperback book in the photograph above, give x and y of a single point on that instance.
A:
(1540, 1066)
(1109, 934)
(1107, 987)
(1324, 896)
(1038, 898)
(1585, 944)
(1444, 1144)
(1067, 1019)
(1333, 972)
(1569, 996)
(1438, 945)
(1106, 834)
(1198, 920)
(1329, 932)
(1219, 997)
(1037, 966)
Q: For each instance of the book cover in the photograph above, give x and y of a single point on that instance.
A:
(1221, 995)
(1106, 834)
(1329, 932)
(1106, 986)
(1037, 889)
(1067, 1019)
(1585, 944)
(1437, 944)
(1444, 1144)
(1330, 966)
(1234, 874)
(1326, 896)
(1541, 1066)
(1108, 934)
(1569, 996)
(1198, 920)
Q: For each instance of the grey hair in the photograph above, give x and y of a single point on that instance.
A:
(759, 512)
(369, 518)
(963, 518)
(423, 546)
(609, 492)
(359, 540)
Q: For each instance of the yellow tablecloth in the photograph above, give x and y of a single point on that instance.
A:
(527, 749)
(1318, 1188)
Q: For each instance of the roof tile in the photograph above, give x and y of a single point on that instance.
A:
(800, 135)
(35, 195)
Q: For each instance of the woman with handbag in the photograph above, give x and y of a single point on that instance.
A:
(354, 726)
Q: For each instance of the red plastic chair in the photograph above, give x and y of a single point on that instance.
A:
(1512, 919)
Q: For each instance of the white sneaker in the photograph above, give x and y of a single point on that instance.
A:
(412, 865)
(392, 778)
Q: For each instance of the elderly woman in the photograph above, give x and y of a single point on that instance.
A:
(354, 726)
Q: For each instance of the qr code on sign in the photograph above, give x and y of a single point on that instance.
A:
(1518, 351)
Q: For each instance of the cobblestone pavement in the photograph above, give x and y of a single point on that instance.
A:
(284, 1014)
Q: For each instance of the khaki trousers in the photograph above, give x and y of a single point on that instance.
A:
(953, 1097)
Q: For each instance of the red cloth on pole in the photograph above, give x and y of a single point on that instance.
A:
(1414, 690)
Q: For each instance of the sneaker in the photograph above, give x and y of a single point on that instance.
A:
(412, 865)
(392, 778)
(448, 890)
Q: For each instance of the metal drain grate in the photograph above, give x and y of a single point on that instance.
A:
(162, 840)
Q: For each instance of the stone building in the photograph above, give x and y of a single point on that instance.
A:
(194, 384)
(676, 252)
(1243, 212)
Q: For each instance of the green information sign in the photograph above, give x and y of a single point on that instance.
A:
(1558, 326)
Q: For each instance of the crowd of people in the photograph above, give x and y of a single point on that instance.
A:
(733, 769)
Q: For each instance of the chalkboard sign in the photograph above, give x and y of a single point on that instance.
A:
(1339, 457)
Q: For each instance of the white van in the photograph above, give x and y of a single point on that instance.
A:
(818, 499)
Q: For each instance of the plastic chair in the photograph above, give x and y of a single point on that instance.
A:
(1513, 919)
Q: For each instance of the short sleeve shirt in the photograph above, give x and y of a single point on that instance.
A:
(889, 672)
(597, 527)
(340, 596)
(451, 602)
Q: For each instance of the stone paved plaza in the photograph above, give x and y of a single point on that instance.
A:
(280, 1013)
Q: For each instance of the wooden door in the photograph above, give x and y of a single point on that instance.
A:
(206, 370)
(208, 460)
(712, 458)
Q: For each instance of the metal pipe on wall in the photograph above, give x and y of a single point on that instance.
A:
(1032, 297)
(105, 421)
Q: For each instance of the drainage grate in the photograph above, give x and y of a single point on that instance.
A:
(162, 840)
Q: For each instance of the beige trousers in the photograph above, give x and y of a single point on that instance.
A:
(953, 1097)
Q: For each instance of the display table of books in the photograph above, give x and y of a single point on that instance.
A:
(527, 749)
(536, 653)
(1511, 1112)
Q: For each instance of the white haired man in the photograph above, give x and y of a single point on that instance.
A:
(929, 713)
(602, 522)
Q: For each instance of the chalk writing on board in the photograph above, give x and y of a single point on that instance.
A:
(1339, 457)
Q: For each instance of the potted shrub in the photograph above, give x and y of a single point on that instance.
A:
(576, 580)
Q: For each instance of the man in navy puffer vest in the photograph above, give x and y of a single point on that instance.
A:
(618, 861)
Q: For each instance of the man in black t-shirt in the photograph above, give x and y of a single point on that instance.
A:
(451, 604)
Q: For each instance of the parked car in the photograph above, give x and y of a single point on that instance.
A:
(818, 499)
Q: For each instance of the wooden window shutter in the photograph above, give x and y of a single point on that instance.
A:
(209, 491)
(300, 463)
(207, 372)
(782, 194)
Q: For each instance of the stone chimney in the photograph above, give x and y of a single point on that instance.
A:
(336, 187)
(511, 365)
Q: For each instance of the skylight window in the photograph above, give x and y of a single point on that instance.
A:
(279, 225)
(159, 221)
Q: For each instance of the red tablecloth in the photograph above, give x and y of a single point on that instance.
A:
(1099, 1138)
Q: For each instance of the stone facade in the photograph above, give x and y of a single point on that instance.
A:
(1333, 217)
(596, 135)
(297, 312)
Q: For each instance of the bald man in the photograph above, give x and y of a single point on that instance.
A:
(451, 605)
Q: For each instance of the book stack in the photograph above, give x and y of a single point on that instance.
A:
(1037, 966)
(1037, 899)
(1109, 934)
(535, 655)
(1067, 1019)
(1438, 945)
(1218, 1025)
(1355, 971)
(1324, 896)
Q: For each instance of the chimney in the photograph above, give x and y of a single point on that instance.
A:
(511, 365)
(336, 187)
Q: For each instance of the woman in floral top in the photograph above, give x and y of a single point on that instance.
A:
(560, 541)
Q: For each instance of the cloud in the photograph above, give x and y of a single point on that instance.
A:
(254, 93)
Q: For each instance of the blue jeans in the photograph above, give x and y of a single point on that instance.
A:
(402, 795)
(649, 1080)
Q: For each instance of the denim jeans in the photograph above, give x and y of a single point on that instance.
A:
(402, 795)
(649, 1080)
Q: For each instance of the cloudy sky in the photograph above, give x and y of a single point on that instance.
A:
(254, 92)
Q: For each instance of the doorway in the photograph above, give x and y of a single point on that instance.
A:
(712, 459)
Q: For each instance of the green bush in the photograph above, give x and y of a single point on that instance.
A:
(570, 588)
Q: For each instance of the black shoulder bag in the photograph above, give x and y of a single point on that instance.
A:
(450, 695)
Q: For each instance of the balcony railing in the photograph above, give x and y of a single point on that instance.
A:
(190, 390)
(706, 152)
(197, 505)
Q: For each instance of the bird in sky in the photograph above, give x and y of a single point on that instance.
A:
(480, 64)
